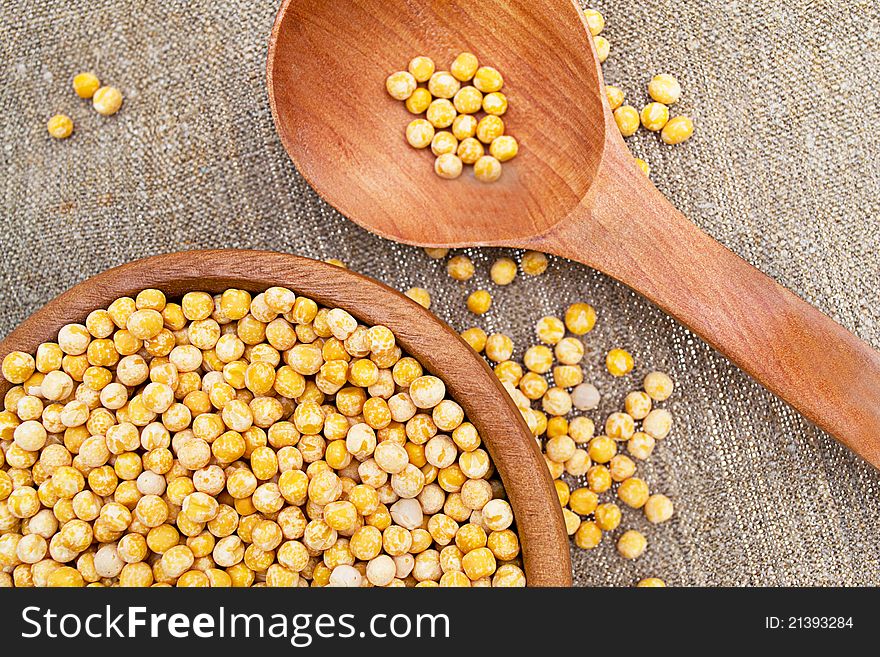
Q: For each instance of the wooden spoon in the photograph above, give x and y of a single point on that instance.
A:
(468, 378)
(573, 191)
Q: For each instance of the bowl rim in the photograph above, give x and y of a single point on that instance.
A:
(469, 379)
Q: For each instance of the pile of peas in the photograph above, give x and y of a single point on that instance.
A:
(232, 440)
(449, 102)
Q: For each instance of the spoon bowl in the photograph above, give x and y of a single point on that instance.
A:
(468, 378)
(573, 191)
(327, 70)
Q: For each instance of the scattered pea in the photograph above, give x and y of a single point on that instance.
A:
(538, 358)
(641, 445)
(654, 116)
(651, 582)
(658, 508)
(419, 101)
(585, 397)
(608, 516)
(488, 79)
(633, 492)
(460, 267)
(658, 423)
(85, 85)
(479, 302)
(60, 126)
(420, 295)
(588, 535)
(615, 96)
(631, 544)
(580, 318)
(583, 501)
(658, 386)
(419, 133)
(504, 148)
(476, 338)
(499, 347)
(533, 263)
(421, 68)
(664, 88)
(595, 21)
(489, 128)
(464, 66)
(495, 103)
(487, 169)
(107, 101)
(569, 351)
(572, 521)
(503, 271)
(470, 150)
(468, 100)
(441, 113)
(400, 85)
(603, 48)
(464, 126)
(443, 84)
(677, 130)
(619, 362)
(627, 119)
(550, 330)
(600, 461)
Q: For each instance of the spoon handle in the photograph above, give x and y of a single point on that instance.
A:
(632, 233)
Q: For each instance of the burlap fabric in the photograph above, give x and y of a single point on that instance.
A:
(782, 170)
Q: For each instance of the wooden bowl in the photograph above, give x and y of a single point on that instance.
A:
(468, 378)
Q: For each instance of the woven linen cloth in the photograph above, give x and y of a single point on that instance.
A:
(782, 169)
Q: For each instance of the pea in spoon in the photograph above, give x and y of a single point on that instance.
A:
(573, 191)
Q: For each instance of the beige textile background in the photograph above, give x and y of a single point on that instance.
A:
(782, 169)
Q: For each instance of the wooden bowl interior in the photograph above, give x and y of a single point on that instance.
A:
(326, 70)
(468, 378)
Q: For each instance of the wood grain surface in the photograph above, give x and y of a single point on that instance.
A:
(468, 378)
(573, 191)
